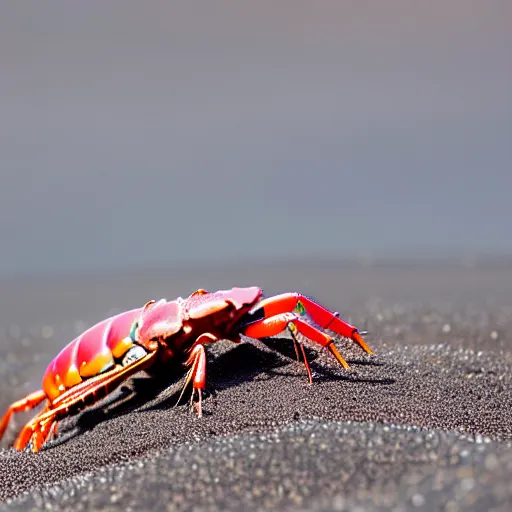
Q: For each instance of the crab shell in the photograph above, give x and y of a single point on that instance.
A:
(167, 324)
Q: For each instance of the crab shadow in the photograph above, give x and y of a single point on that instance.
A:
(321, 372)
(235, 366)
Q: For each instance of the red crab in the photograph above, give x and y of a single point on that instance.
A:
(99, 360)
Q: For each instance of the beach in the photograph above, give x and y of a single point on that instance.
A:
(423, 424)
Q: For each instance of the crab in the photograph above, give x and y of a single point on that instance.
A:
(99, 360)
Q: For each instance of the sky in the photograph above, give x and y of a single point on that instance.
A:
(140, 134)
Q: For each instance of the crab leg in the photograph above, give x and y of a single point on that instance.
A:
(41, 426)
(45, 432)
(276, 324)
(297, 342)
(25, 404)
(81, 388)
(299, 304)
(66, 397)
(197, 372)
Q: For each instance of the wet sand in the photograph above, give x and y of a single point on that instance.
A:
(425, 424)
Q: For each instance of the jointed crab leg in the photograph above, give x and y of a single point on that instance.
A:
(49, 429)
(298, 343)
(300, 304)
(39, 427)
(25, 404)
(275, 314)
(278, 323)
(197, 372)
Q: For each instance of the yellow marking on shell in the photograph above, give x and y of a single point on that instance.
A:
(122, 347)
(59, 384)
(97, 364)
(50, 388)
(72, 377)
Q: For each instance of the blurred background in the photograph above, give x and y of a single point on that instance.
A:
(150, 134)
(358, 152)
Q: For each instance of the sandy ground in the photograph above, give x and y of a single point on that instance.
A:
(425, 424)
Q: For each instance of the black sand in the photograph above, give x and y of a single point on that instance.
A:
(423, 425)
